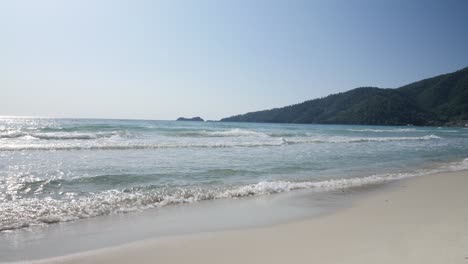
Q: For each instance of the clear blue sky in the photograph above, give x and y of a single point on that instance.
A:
(164, 59)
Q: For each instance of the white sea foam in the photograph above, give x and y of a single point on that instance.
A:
(236, 132)
(129, 146)
(33, 211)
(42, 188)
(12, 134)
(401, 130)
(71, 136)
(455, 166)
(58, 135)
(226, 144)
(341, 139)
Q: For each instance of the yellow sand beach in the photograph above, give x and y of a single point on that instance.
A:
(421, 220)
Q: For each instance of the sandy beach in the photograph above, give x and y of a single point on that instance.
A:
(420, 220)
(213, 132)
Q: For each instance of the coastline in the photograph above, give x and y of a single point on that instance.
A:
(419, 220)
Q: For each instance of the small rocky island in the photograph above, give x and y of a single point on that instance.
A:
(197, 118)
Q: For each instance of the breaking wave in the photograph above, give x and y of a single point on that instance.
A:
(399, 130)
(59, 135)
(402, 130)
(132, 146)
(236, 132)
(339, 139)
(272, 143)
(34, 211)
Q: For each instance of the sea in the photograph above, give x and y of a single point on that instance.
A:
(56, 172)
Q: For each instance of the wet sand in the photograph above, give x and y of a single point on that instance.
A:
(420, 220)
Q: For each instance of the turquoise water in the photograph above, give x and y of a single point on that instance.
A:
(57, 170)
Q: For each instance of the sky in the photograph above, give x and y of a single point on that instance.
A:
(148, 59)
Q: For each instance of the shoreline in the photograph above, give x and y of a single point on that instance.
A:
(419, 220)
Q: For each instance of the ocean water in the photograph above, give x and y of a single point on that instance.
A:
(59, 170)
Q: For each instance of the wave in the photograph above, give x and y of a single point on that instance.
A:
(236, 132)
(35, 184)
(388, 130)
(96, 128)
(12, 134)
(133, 146)
(272, 143)
(22, 213)
(338, 139)
(401, 130)
(59, 135)
(34, 211)
(70, 134)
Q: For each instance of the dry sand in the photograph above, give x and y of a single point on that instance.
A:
(421, 220)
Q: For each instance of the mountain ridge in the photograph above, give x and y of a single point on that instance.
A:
(436, 101)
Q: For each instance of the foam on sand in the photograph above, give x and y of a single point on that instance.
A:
(33, 211)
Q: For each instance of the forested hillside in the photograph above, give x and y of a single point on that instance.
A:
(441, 100)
